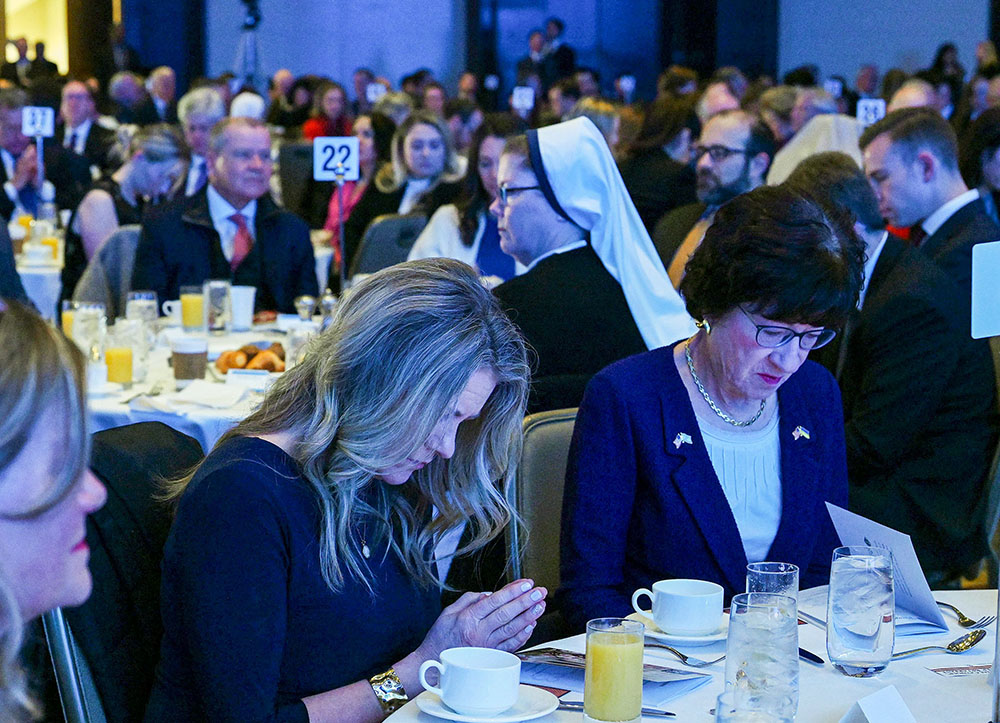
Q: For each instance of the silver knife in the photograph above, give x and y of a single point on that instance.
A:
(812, 619)
(652, 712)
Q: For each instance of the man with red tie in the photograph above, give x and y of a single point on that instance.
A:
(231, 229)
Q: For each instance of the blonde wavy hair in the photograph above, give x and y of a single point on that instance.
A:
(393, 176)
(402, 346)
(39, 368)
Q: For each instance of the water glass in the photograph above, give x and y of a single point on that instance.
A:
(300, 333)
(612, 688)
(89, 329)
(781, 578)
(762, 653)
(860, 628)
(727, 710)
(142, 305)
(218, 311)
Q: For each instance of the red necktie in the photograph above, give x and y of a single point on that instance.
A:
(242, 242)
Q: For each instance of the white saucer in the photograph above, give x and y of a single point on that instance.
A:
(104, 390)
(531, 703)
(692, 641)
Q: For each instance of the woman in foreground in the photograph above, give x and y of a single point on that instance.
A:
(300, 580)
(46, 489)
(691, 461)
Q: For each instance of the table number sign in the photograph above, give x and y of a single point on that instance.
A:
(870, 110)
(522, 98)
(336, 156)
(38, 122)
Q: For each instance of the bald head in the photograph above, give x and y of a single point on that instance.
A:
(914, 93)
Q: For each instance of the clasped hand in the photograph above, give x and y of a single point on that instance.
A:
(504, 619)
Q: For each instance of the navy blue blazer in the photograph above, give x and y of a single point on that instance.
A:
(639, 507)
(179, 246)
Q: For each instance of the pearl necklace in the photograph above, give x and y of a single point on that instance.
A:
(704, 393)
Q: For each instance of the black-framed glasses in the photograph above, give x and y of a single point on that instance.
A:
(716, 152)
(506, 190)
(771, 337)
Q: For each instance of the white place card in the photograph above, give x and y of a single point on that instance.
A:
(870, 110)
(38, 121)
(985, 290)
(884, 706)
(522, 98)
(335, 156)
(913, 594)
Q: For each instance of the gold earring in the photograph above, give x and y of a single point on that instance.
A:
(704, 324)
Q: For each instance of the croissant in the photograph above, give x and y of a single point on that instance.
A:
(231, 360)
(268, 360)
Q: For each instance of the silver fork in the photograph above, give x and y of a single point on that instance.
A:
(686, 659)
(965, 621)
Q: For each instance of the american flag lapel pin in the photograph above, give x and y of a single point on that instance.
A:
(682, 438)
(800, 432)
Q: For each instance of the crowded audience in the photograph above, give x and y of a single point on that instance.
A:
(756, 300)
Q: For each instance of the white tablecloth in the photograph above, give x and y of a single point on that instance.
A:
(825, 694)
(203, 423)
(43, 285)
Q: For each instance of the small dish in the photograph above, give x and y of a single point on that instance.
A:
(693, 641)
(531, 703)
(104, 390)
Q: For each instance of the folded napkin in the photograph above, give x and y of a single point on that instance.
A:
(199, 393)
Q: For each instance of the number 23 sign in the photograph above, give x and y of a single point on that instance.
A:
(336, 156)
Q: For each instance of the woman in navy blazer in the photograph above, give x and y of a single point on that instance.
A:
(643, 501)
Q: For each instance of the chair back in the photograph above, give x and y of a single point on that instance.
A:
(295, 168)
(537, 496)
(118, 629)
(387, 241)
(108, 276)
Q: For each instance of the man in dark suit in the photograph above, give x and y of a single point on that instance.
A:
(162, 87)
(731, 157)
(17, 72)
(559, 56)
(919, 393)
(78, 131)
(534, 62)
(42, 67)
(132, 103)
(572, 312)
(911, 159)
(232, 229)
(68, 172)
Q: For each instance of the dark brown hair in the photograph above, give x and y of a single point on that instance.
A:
(834, 179)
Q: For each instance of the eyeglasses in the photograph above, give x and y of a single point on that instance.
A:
(771, 337)
(506, 190)
(716, 153)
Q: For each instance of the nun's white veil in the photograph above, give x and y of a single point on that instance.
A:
(579, 178)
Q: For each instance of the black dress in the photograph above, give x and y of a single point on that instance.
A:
(76, 258)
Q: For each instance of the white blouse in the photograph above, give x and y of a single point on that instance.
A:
(748, 464)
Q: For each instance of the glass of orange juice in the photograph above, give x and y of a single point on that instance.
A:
(192, 308)
(68, 312)
(120, 353)
(612, 689)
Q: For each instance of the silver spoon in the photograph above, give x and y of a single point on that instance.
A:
(958, 645)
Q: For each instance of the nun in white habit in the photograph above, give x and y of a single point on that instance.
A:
(602, 294)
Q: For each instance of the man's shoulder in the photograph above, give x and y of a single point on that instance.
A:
(288, 221)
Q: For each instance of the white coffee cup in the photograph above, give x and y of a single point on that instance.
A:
(241, 299)
(172, 309)
(475, 681)
(683, 607)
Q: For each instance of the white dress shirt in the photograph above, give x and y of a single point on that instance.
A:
(220, 209)
(80, 139)
(8, 165)
(199, 166)
(870, 263)
(936, 220)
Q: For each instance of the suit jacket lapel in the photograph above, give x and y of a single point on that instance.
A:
(697, 482)
(799, 472)
(933, 243)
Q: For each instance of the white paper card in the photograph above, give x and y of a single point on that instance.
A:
(884, 706)
(985, 290)
(522, 98)
(336, 156)
(870, 110)
(913, 594)
(38, 121)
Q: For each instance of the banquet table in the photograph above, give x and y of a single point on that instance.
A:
(43, 285)
(205, 423)
(961, 695)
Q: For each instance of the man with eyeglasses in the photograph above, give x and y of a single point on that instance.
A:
(919, 393)
(731, 157)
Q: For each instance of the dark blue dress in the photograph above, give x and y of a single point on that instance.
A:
(250, 627)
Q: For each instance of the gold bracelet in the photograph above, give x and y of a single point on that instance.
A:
(389, 690)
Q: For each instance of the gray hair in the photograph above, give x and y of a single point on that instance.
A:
(204, 102)
(116, 86)
(217, 141)
(402, 346)
(39, 369)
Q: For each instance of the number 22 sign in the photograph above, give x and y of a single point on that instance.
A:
(335, 156)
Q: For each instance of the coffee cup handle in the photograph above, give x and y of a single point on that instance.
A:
(424, 667)
(635, 601)
(168, 307)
